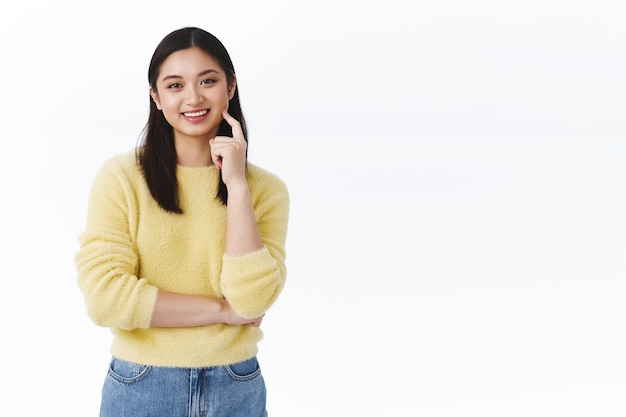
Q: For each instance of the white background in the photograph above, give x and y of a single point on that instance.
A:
(458, 184)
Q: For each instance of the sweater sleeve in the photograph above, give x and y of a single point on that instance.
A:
(252, 282)
(107, 261)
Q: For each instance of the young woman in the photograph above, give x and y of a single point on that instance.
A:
(184, 246)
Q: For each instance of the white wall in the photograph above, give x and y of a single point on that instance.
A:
(457, 235)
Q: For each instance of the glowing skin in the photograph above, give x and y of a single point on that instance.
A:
(192, 91)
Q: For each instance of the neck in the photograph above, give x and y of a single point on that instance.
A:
(193, 153)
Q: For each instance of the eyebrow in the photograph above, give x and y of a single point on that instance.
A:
(168, 77)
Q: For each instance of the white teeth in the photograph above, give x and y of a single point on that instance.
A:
(196, 114)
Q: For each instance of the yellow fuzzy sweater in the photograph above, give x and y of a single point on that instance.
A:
(131, 248)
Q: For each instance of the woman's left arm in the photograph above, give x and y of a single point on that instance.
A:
(253, 270)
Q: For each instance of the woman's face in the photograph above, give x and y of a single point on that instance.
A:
(192, 91)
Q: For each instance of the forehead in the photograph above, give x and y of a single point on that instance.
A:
(188, 62)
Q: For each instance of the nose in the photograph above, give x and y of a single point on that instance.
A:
(194, 95)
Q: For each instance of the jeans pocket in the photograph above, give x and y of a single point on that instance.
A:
(127, 372)
(245, 370)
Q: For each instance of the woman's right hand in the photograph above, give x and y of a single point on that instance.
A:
(183, 310)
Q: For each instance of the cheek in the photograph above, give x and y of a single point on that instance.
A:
(167, 112)
(169, 107)
(222, 96)
(170, 113)
(219, 100)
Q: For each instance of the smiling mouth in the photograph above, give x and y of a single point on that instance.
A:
(196, 113)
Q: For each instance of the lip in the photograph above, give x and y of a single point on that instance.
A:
(197, 115)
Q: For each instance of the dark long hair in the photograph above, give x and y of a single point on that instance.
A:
(156, 153)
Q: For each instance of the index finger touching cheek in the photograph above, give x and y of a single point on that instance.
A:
(237, 132)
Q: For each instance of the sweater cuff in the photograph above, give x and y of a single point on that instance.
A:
(251, 282)
(246, 265)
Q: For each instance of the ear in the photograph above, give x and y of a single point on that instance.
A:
(232, 88)
(155, 98)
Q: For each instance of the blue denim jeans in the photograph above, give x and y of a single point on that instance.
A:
(135, 390)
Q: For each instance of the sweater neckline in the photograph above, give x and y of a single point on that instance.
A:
(189, 168)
